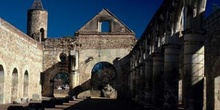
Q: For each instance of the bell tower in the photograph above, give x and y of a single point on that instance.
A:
(37, 21)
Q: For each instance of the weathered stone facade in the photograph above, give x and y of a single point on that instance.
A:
(80, 53)
(175, 61)
(84, 51)
(21, 64)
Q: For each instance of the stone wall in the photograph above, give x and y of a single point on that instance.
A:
(106, 41)
(52, 64)
(212, 26)
(101, 48)
(20, 52)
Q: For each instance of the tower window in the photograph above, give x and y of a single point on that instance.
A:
(104, 26)
(42, 34)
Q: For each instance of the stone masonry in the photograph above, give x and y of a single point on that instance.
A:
(175, 63)
(21, 53)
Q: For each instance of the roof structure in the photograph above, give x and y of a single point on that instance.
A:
(37, 5)
(105, 15)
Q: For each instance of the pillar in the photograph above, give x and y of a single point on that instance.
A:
(171, 72)
(137, 84)
(148, 81)
(158, 84)
(141, 85)
(73, 79)
(193, 78)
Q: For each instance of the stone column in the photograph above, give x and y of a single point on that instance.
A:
(171, 72)
(73, 79)
(141, 85)
(133, 85)
(137, 85)
(193, 78)
(148, 81)
(158, 83)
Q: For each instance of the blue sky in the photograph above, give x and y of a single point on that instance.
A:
(67, 16)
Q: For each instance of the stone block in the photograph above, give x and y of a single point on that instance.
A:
(35, 97)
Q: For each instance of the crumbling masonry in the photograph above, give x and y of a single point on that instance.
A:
(174, 63)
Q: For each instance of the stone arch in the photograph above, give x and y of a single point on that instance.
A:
(1, 84)
(14, 85)
(61, 84)
(26, 84)
(86, 69)
(103, 80)
(48, 80)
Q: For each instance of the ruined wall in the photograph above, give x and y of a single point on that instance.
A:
(52, 64)
(53, 48)
(19, 51)
(101, 48)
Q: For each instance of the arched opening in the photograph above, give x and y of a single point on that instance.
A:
(103, 80)
(63, 57)
(26, 83)
(42, 34)
(14, 85)
(61, 84)
(1, 84)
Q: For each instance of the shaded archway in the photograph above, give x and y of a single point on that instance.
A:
(26, 84)
(61, 84)
(1, 84)
(103, 80)
(14, 85)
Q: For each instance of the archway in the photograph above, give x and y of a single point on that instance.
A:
(26, 83)
(61, 84)
(103, 80)
(1, 84)
(14, 85)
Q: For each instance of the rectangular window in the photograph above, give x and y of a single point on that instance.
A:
(104, 26)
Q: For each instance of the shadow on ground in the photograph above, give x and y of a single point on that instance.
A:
(80, 104)
(105, 104)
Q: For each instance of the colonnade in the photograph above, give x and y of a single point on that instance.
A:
(161, 74)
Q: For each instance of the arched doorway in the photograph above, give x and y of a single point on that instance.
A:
(61, 84)
(26, 83)
(103, 80)
(1, 84)
(14, 85)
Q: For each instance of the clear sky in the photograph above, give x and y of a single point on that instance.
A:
(67, 16)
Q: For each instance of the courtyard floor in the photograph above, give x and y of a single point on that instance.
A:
(89, 104)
